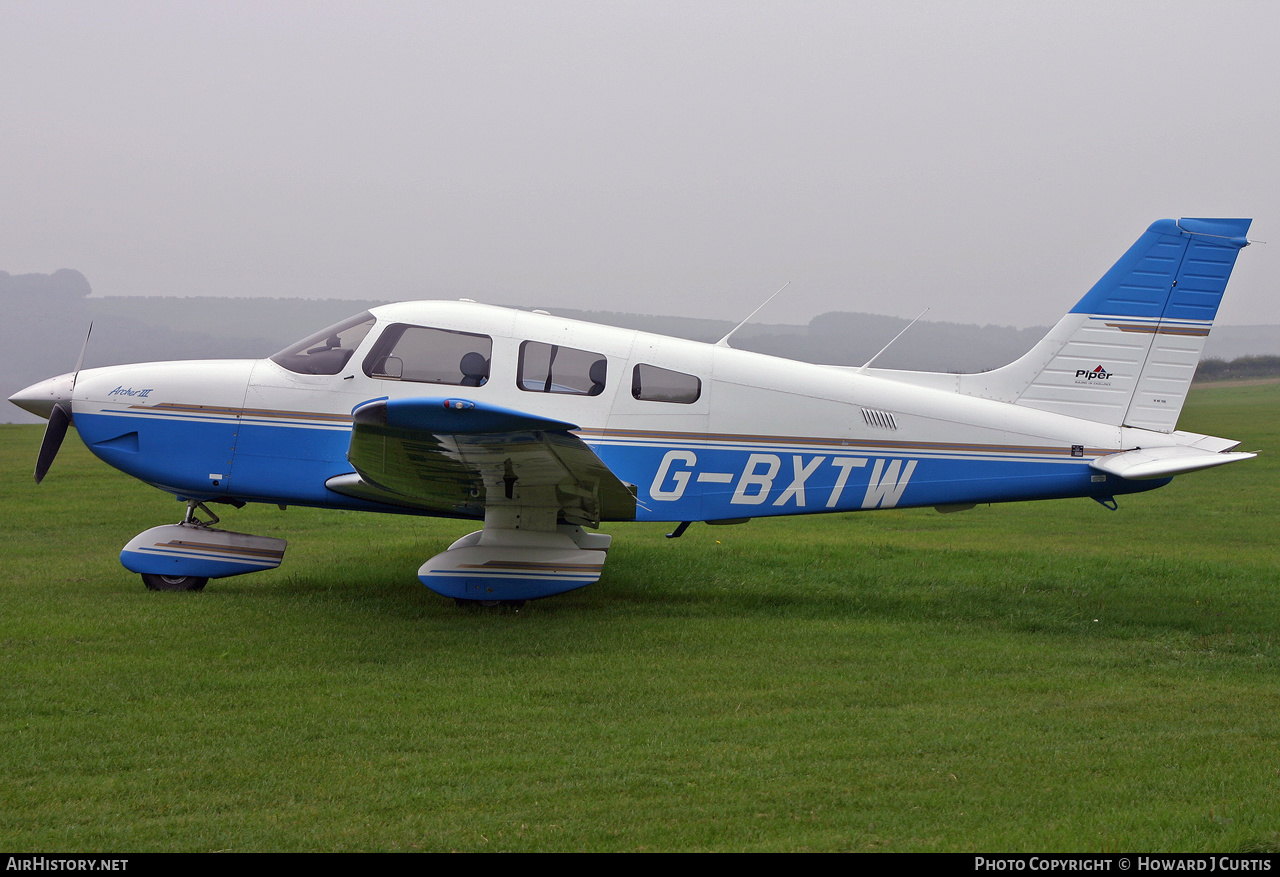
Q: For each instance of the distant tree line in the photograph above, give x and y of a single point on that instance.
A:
(1240, 368)
(47, 316)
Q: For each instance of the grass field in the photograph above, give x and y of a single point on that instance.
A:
(1046, 676)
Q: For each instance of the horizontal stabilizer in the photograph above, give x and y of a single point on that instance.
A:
(1145, 463)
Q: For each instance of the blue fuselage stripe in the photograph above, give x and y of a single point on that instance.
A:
(678, 478)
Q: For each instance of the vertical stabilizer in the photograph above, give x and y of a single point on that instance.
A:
(1126, 353)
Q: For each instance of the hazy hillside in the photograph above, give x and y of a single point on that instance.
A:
(48, 315)
(1232, 342)
(140, 329)
(206, 327)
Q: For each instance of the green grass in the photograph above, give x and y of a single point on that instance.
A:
(1045, 676)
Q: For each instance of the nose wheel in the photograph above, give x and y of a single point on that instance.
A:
(174, 583)
(183, 557)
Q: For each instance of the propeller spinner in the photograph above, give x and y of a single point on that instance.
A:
(52, 399)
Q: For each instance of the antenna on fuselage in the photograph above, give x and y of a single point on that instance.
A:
(724, 342)
(890, 344)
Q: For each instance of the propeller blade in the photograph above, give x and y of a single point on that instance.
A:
(54, 433)
(59, 416)
(80, 361)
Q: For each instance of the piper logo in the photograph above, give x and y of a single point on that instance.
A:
(1098, 374)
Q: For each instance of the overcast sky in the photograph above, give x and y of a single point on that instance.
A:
(986, 160)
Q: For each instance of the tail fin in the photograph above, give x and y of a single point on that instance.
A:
(1126, 353)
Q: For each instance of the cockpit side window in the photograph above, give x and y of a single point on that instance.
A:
(649, 383)
(327, 352)
(550, 368)
(430, 356)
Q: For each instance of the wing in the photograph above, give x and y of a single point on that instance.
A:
(458, 457)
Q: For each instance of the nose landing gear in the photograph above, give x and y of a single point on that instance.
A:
(183, 557)
(174, 583)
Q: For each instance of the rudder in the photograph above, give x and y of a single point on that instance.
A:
(1126, 353)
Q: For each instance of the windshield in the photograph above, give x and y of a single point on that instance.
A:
(327, 352)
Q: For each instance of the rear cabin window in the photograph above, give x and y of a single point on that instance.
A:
(327, 352)
(430, 356)
(652, 384)
(550, 368)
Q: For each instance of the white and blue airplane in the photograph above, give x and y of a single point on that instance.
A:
(545, 428)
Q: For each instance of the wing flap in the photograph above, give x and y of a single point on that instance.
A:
(461, 457)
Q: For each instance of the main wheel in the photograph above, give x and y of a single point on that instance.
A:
(174, 583)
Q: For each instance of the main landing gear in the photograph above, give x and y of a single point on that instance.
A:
(505, 566)
(488, 604)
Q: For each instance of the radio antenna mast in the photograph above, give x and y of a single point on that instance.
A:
(724, 342)
(895, 338)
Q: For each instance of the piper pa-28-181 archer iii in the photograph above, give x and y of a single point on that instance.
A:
(544, 428)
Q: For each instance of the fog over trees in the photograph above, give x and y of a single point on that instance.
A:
(47, 316)
(43, 315)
